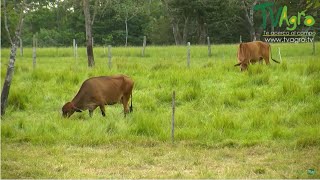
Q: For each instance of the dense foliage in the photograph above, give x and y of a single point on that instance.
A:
(57, 22)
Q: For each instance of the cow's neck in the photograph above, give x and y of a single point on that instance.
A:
(76, 102)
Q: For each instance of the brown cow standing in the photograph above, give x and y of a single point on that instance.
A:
(252, 52)
(99, 91)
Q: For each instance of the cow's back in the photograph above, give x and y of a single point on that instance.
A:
(108, 88)
(264, 48)
(247, 51)
(254, 50)
(101, 90)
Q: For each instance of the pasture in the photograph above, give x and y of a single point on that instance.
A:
(262, 123)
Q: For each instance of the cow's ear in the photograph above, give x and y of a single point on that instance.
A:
(237, 64)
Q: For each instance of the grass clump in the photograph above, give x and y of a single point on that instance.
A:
(41, 75)
(18, 100)
(290, 88)
(284, 66)
(224, 123)
(145, 125)
(260, 80)
(255, 69)
(159, 67)
(315, 87)
(305, 142)
(243, 95)
(307, 137)
(231, 101)
(163, 97)
(68, 78)
(313, 67)
(281, 133)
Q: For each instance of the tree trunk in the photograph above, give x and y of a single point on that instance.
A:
(180, 38)
(88, 23)
(252, 34)
(249, 17)
(8, 79)
(185, 31)
(10, 69)
(258, 33)
(202, 32)
(176, 33)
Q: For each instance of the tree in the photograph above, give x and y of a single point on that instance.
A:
(89, 20)
(88, 23)
(179, 14)
(248, 8)
(194, 20)
(128, 9)
(14, 41)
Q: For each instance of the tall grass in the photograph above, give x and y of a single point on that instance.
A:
(216, 103)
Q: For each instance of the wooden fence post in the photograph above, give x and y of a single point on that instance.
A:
(313, 44)
(188, 55)
(109, 57)
(76, 51)
(144, 45)
(279, 54)
(34, 56)
(74, 48)
(172, 119)
(209, 46)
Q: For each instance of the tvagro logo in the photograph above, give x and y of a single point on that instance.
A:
(280, 19)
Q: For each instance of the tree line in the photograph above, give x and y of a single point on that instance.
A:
(164, 22)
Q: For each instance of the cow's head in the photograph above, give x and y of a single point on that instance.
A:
(68, 109)
(243, 66)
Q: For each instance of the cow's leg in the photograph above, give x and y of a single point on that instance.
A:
(261, 60)
(266, 59)
(90, 112)
(125, 100)
(103, 111)
(91, 109)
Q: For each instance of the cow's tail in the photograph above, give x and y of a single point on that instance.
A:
(131, 108)
(271, 55)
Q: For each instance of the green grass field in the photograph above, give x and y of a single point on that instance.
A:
(262, 123)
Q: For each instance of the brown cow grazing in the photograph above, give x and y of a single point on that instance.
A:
(252, 52)
(99, 91)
